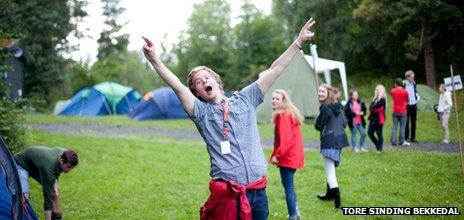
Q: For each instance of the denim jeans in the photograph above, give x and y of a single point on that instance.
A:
(362, 131)
(23, 178)
(258, 202)
(398, 119)
(377, 129)
(286, 176)
(412, 116)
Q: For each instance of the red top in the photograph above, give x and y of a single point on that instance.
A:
(357, 111)
(222, 202)
(381, 112)
(400, 99)
(288, 142)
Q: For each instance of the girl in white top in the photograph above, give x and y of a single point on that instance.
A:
(444, 109)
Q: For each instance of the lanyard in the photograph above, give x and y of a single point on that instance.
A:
(225, 116)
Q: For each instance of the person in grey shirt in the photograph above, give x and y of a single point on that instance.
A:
(410, 86)
(228, 125)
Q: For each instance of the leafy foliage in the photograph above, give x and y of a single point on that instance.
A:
(127, 69)
(12, 121)
(208, 40)
(42, 28)
(110, 42)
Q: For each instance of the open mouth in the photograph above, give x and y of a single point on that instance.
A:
(208, 88)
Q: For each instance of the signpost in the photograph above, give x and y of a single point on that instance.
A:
(454, 83)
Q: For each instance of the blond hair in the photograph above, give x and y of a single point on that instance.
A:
(330, 94)
(197, 69)
(379, 92)
(287, 106)
(409, 73)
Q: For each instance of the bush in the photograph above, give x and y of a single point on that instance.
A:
(12, 121)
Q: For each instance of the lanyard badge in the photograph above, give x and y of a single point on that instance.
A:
(225, 145)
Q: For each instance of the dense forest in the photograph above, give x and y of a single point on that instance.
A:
(373, 37)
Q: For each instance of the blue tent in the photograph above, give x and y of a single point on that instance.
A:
(122, 99)
(128, 103)
(105, 98)
(87, 102)
(11, 206)
(161, 103)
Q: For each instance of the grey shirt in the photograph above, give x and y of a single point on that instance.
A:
(413, 97)
(246, 161)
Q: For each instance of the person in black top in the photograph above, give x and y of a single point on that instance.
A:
(355, 110)
(331, 123)
(377, 117)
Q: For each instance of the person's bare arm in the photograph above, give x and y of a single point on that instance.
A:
(185, 96)
(270, 75)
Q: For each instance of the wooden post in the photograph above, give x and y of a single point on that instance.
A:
(314, 55)
(457, 121)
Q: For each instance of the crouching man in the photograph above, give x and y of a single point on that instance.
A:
(45, 166)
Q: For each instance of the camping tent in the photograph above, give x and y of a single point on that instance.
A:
(122, 99)
(428, 98)
(102, 99)
(158, 104)
(11, 206)
(87, 102)
(299, 80)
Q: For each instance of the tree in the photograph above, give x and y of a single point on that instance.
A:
(207, 40)
(415, 25)
(12, 128)
(110, 41)
(43, 27)
(258, 40)
(127, 69)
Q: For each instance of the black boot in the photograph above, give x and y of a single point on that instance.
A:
(336, 196)
(328, 195)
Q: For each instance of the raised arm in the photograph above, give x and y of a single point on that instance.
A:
(270, 75)
(183, 93)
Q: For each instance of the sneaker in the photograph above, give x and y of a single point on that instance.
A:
(445, 141)
(378, 152)
(356, 150)
(364, 149)
(405, 143)
(413, 140)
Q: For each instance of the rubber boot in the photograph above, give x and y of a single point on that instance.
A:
(336, 196)
(328, 195)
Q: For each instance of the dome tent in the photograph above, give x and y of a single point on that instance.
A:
(102, 99)
(11, 206)
(86, 102)
(122, 99)
(161, 103)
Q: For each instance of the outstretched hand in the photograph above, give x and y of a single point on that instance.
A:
(148, 49)
(305, 32)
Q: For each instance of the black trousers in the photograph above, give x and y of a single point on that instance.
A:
(377, 129)
(412, 116)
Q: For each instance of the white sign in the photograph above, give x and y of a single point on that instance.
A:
(457, 83)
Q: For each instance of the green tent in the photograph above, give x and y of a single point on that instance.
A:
(299, 81)
(115, 92)
(428, 98)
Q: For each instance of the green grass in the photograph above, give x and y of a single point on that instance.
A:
(163, 179)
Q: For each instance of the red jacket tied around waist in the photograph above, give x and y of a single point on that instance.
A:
(222, 202)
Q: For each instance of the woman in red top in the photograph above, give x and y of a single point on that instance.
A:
(288, 152)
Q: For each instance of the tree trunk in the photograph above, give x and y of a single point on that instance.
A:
(430, 68)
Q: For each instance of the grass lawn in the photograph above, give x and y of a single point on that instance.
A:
(161, 179)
